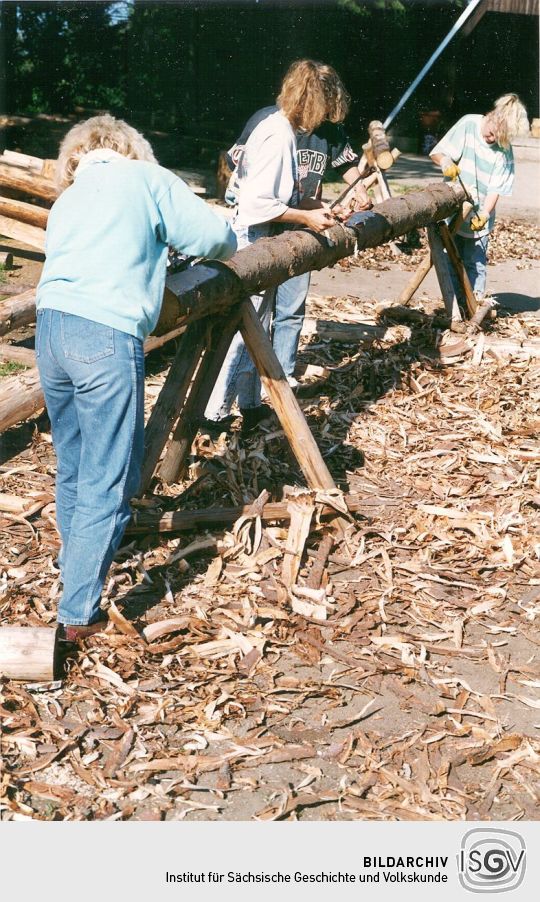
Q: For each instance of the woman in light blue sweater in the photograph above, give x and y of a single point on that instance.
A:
(98, 298)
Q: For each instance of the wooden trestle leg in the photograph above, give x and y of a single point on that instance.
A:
(283, 400)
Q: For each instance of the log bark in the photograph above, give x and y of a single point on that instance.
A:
(173, 463)
(29, 653)
(27, 183)
(283, 400)
(21, 231)
(29, 213)
(18, 311)
(380, 146)
(171, 399)
(208, 288)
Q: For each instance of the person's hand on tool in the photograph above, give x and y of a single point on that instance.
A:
(479, 221)
(361, 200)
(450, 170)
(320, 219)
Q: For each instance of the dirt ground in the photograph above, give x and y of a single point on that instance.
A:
(407, 686)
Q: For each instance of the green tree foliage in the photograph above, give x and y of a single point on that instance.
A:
(63, 55)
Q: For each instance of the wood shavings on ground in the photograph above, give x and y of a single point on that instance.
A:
(376, 665)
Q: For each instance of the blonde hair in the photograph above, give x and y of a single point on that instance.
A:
(99, 131)
(312, 92)
(508, 119)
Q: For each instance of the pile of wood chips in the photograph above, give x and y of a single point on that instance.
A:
(381, 665)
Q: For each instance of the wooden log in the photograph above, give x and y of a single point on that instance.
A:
(417, 278)
(457, 263)
(361, 333)
(380, 145)
(283, 400)
(18, 311)
(29, 653)
(14, 354)
(27, 183)
(208, 288)
(21, 397)
(21, 231)
(143, 522)
(173, 463)
(34, 165)
(171, 398)
(29, 213)
(6, 262)
(426, 264)
(369, 155)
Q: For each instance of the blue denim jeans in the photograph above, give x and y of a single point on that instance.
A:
(238, 378)
(289, 312)
(473, 252)
(93, 380)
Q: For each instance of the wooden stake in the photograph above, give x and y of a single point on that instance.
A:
(443, 275)
(457, 263)
(418, 277)
(283, 400)
(186, 429)
(6, 262)
(380, 145)
(21, 231)
(426, 264)
(29, 653)
(171, 398)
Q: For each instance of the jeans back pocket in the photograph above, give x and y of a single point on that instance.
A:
(84, 340)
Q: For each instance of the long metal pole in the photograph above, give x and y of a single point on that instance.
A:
(453, 31)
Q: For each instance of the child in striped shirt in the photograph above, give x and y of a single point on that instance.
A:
(478, 149)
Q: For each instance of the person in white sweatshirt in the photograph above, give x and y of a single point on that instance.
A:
(268, 202)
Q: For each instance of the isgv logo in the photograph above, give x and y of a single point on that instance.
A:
(491, 861)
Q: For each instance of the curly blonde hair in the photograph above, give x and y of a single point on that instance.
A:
(312, 92)
(508, 119)
(94, 133)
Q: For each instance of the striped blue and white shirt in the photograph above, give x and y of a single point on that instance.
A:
(484, 168)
